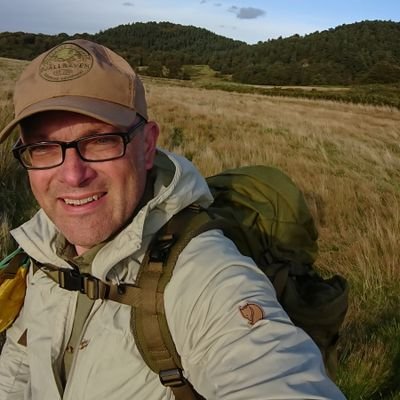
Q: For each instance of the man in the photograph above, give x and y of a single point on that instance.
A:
(104, 191)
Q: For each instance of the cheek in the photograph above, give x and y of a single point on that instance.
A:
(135, 157)
(135, 176)
(128, 180)
(39, 181)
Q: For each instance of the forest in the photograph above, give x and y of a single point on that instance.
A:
(366, 52)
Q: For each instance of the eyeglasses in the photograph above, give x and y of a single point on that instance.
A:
(93, 148)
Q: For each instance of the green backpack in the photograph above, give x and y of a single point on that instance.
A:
(265, 214)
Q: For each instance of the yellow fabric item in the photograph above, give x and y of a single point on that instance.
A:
(12, 294)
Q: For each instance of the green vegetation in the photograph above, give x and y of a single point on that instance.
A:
(345, 157)
(17, 203)
(367, 52)
(202, 76)
(379, 95)
(15, 198)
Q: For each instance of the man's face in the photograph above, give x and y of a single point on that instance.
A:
(89, 201)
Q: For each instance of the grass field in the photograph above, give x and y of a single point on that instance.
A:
(346, 159)
(202, 76)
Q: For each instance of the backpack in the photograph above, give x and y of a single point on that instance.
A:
(265, 214)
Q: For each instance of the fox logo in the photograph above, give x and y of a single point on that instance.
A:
(252, 312)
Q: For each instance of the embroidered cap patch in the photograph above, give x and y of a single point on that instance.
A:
(67, 61)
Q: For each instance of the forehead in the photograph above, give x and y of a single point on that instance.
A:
(50, 124)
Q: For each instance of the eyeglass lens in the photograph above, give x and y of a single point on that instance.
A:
(98, 148)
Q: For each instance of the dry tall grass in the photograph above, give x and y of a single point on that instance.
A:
(15, 200)
(346, 158)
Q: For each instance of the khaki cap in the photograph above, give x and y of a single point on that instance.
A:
(82, 77)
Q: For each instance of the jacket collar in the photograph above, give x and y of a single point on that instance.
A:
(177, 185)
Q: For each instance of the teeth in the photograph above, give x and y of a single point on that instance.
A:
(80, 202)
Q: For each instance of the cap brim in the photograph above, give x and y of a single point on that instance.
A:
(110, 113)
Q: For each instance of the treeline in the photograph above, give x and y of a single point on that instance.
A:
(364, 52)
(166, 46)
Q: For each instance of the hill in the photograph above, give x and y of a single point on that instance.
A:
(364, 52)
(360, 53)
(346, 159)
(149, 44)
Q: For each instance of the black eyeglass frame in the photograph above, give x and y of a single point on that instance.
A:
(127, 137)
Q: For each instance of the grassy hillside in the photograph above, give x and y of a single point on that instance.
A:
(13, 194)
(345, 157)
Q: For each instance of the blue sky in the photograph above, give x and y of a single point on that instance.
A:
(250, 21)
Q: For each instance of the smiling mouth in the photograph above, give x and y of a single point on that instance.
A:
(81, 202)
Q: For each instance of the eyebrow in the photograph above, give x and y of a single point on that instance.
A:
(37, 137)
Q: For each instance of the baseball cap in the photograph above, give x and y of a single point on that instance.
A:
(83, 77)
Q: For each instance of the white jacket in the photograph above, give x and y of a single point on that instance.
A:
(223, 356)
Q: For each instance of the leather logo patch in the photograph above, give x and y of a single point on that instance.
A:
(67, 61)
(252, 312)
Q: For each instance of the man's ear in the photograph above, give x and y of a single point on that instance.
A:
(151, 132)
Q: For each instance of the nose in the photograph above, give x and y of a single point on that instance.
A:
(74, 171)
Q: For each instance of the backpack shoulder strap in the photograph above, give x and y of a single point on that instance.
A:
(149, 324)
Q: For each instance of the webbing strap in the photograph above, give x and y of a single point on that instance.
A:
(149, 323)
(83, 307)
(10, 270)
(129, 295)
(185, 392)
(148, 316)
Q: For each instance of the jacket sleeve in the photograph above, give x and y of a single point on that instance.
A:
(235, 340)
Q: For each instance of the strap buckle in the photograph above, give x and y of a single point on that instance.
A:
(94, 288)
(71, 279)
(172, 377)
(160, 249)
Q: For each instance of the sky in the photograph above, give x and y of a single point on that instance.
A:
(248, 20)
